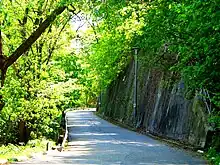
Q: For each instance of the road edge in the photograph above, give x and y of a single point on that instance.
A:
(170, 143)
(66, 132)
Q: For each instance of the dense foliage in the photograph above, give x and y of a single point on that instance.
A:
(46, 79)
(44, 76)
(178, 36)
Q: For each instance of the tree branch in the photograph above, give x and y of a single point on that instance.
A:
(2, 57)
(55, 42)
(34, 36)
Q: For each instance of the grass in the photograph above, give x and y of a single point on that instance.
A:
(213, 156)
(12, 152)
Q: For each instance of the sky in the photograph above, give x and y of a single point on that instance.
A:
(80, 26)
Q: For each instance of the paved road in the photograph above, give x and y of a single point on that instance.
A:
(95, 141)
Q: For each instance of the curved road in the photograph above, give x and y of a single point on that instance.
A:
(95, 141)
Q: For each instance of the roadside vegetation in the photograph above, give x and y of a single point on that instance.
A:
(13, 152)
(40, 74)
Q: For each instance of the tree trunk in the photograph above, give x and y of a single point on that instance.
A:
(7, 62)
(3, 71)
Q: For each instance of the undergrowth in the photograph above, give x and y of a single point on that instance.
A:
(13, 152)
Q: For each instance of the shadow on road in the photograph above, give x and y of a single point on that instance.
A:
(93, 141)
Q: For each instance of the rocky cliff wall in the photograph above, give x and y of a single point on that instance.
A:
(162, 108)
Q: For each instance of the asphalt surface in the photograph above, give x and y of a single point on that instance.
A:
(95, 141)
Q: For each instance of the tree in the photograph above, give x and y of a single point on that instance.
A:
(6, 62)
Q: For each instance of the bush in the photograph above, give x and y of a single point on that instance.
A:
(213, 156)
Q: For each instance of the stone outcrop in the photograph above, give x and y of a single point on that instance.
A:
(162, 108)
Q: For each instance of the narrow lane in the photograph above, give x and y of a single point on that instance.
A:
(99, 142)
(93, 141)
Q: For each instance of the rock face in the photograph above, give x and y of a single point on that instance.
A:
(162, 107)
